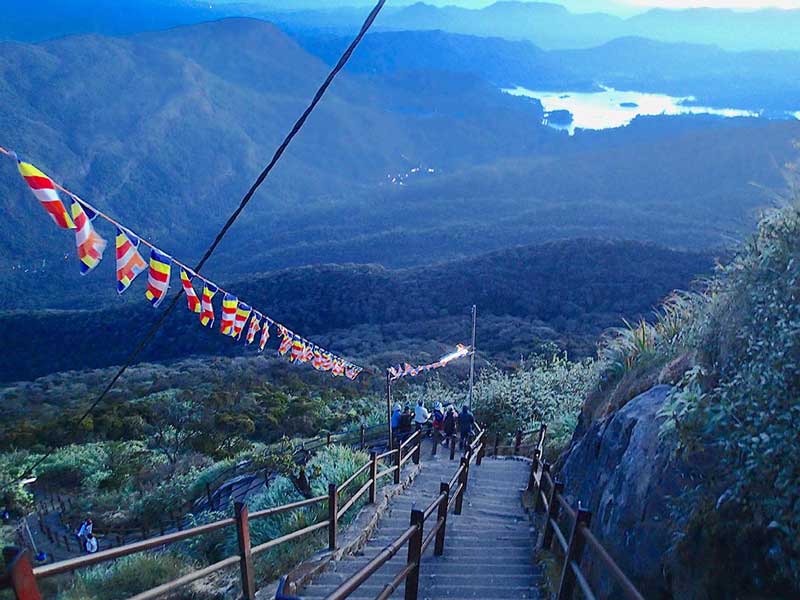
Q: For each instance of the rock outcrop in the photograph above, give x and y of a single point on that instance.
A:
(625, 474)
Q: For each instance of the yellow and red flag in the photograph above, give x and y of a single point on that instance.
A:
(129, 262)
(45, 191)
(88, 242)
(192, 300)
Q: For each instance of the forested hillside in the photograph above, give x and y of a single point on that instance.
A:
(561, 293)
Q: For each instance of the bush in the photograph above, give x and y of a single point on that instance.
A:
(738, 410)
(126, 577)
(546, 391)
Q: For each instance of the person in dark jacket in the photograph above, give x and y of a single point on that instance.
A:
(466, 421)
(449, 424)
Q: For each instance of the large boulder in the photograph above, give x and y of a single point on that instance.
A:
(625, 474)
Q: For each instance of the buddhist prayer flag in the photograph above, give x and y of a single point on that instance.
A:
(298, 349)
(317, 361)
(242, 313)
(252, 329)
(308, 353)
(229, 304)
(327, 361)
(264, 335)
(88, 242)
(286, 342)
(45, 191)
(158, 277)
(192, 300)
(206, 306)
(351, 372)
(129, 262)
(338, 368)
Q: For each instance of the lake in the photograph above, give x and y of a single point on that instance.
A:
(611, 108)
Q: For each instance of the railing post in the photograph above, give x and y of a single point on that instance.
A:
(417, 450)
(329, 439)
(481, 450)
(517, 442)
(245, 558)
(452, 447)
(574, 553)
(333, 508)
(539, 505)
(363, 437)
(552, 514)
(208, 495)
(373, 476)
(496, 443)
(462, 480)
(438, 549)
(20, 574)
(542, 432)
(414, 555)
(534, 469)
(435, 443)
(397, 458)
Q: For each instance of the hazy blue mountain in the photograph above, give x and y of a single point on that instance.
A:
(757, 80)
(553, 26)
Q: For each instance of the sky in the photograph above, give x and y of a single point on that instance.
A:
(572, 4)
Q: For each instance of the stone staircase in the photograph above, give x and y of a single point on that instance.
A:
(488, 549)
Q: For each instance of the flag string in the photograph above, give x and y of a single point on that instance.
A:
(269, 320)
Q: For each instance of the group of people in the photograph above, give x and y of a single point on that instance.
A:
(444, 421)
(86, 537)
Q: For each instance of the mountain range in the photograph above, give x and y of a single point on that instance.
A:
(546, 24)
(406, 163)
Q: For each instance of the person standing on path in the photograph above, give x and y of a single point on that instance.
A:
(421, 415)
(466, 421)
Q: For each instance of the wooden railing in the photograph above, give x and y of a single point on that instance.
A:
(415, 538)
(550, 502)
(22, 577)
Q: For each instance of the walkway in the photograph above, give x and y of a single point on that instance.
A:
(489, 547)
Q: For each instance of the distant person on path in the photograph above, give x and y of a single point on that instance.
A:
(466, 421)
(91, 544)
(396, 414)
(421, 415)
(405, 421)
(449, 424)
(438, 419)
(85, 531)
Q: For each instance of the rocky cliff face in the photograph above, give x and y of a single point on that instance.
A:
(624, 474)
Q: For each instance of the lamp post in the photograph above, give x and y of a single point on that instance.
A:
(389, 408)
(472, 356)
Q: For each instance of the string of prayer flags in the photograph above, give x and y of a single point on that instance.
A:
(88, 242)
(229, 304)
(207, 307)
(80, 216)
(45, 191)
(407, 370)
(129, 262)
(158, 277)
(192, 300)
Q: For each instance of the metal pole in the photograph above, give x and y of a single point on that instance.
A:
(389, 408)
(472, 355)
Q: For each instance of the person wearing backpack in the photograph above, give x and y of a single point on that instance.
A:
(438, 421)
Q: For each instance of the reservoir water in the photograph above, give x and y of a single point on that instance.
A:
(611, 108)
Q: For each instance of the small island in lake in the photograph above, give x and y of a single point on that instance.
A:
(559, 117)
(629, 105)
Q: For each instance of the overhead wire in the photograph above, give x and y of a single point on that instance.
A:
(298, 125)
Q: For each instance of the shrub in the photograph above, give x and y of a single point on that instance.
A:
(126, 577)
(544, 391)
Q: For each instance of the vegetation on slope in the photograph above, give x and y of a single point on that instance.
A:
(733, 353)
